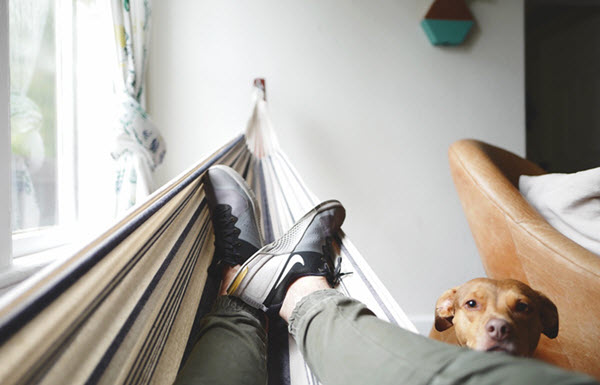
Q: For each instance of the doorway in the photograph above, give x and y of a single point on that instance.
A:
(562, 84)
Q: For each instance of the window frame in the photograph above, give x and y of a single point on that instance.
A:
(5, 148)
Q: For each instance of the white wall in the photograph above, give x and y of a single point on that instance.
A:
(364, 106)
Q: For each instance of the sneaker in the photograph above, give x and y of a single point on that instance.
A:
(306, 249)
(235, 217)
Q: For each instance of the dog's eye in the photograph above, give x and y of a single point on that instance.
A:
(521, 307)
(471, 303)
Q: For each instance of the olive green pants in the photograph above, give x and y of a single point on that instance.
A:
(344, 343)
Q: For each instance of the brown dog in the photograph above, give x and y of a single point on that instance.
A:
(495, 315)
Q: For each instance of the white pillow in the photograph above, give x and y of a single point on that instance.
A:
(569, 202)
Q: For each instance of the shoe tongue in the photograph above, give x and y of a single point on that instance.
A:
(246, 250)
(248, 231)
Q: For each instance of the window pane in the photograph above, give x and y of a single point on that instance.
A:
(33, 113)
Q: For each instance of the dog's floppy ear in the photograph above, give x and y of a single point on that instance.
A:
(444, 310)
(549, 316)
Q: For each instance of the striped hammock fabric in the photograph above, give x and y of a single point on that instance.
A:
(123, 310)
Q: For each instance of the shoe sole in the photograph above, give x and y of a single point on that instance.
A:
(259, 259)
(253, 201)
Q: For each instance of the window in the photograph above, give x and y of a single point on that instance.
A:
(61, 71)
(41, 116)
(33, 113)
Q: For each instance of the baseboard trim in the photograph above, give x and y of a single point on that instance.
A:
(423, 322)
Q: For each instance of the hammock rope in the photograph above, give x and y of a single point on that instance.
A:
(123, 309)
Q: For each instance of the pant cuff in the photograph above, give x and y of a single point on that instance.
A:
(227, 304)
(308, 306)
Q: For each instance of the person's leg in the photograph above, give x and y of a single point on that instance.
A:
(343, 342)
(232, 346)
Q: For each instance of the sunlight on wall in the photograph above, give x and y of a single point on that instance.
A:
(95, 113)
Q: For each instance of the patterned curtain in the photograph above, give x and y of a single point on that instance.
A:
(139, 146)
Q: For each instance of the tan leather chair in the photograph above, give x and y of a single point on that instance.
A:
(514, 241)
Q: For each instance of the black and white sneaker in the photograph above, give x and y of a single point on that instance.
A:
(306, 249)
(235, 217)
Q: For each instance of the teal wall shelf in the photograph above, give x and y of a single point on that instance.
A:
(448, 22)
(446, 32)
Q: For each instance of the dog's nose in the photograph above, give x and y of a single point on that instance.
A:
(497, 329)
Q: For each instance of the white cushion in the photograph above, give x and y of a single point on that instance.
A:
(569, 202)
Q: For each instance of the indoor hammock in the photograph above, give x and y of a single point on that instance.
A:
(124, 308)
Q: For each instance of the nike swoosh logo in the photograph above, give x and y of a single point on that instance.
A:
(295, 259)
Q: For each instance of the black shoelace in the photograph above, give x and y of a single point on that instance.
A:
(333, 263)
(226, 238)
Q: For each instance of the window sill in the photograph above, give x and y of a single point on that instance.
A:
(32, 244)
(26, 266)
